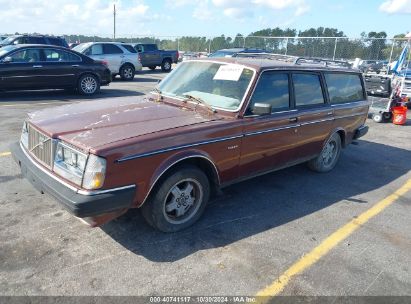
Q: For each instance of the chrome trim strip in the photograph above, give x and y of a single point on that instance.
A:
(63, 75)
(123, 159)
(176, 162)
(271, 130)
(79, 191)
(96, 192)
(347, 103)
(316, 121)
(351, 115)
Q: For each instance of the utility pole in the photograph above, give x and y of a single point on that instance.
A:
(114, 15)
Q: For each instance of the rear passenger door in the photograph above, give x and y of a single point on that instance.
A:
(314, 114)
(348, 100)
(114, 57)
(269, 140)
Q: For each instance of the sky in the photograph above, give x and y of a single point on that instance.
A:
(201, 17)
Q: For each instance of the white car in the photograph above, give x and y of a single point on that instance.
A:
(121, 58)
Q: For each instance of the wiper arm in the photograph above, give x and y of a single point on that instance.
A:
(199, 100)
(159, 93)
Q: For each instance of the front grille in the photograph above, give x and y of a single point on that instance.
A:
(40, 146)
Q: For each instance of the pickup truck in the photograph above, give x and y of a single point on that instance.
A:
(151, 56)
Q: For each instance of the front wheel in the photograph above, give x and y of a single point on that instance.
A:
(179, 201)
(88, 84)
(329, 156)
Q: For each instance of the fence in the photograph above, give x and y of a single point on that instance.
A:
(326, 47)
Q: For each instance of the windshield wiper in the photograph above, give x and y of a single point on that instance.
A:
(159, 93)
(199, 101)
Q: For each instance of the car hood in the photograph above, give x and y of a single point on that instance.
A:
(92, 124)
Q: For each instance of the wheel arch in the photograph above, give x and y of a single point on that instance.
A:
(198, 159)
(88, 73)
(343, 136)
(127, 63)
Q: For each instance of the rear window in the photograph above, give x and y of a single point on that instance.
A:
(307, 90)
(56, 41)
(112, 49)
(344, 88)
(129, 48)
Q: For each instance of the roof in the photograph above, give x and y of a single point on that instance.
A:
(261, 64)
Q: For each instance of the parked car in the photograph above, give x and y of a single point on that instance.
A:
(209, 124)
(152, 57)
(121, 58)
(365, 64)
(73, 45)
(190, 56)
(234, 52)
(34, 39)
(38, 67)
(2, 38)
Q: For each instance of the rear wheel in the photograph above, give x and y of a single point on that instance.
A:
(88, 84)
(329, 156)
(179, 201)
(387, 116)
(127, 72)
(166, 65)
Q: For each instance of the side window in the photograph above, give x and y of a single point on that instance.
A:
(307, 89)
(129, 48)
(96, 49)
(54, 55)
(26, 56)
(55, 41)
(344, 87)
(272, 88)
(150, 47)
(112, 49)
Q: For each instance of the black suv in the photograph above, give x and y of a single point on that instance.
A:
(34, 39)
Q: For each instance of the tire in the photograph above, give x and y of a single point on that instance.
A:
(329, 156)
(127, 72)
(88, 85)
(178, 201)
(152, 67)
(387, 116)
(377, 117)
(166, 65)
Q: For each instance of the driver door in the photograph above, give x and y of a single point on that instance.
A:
(269, 140)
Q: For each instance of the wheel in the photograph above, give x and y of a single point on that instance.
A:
(166, 65)
(127, 72)
(88, 84)
(329, 156)
(377, 117)
(387, 116)
(152, 67)
(178, 201)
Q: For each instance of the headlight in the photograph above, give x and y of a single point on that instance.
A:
(24, 138)
(69, 163)
(84, 170)
(95, 172)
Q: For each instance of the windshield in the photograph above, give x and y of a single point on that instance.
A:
(8, 40)
(7, 49)
(220, 85)
(81, 47)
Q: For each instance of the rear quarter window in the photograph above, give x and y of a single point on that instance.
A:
(343, 88)
(129, 48)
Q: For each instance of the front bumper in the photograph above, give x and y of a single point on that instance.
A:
(83, 204)
(360, 132)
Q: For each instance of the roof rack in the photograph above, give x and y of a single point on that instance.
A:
(298, 60)
(271, 56)
(324, 62)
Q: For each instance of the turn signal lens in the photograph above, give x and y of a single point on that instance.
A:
(94, 174)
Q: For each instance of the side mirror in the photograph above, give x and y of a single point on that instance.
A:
(7, 60)
(261, 109)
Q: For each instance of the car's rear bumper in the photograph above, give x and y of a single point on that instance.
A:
(360, 132)
(82, 204)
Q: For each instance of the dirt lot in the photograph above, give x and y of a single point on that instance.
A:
(246, 240)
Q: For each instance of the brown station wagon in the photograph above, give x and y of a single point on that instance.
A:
(210, 123)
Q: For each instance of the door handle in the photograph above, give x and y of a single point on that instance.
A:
(75, 65)
(329, 113)
(37, 66)
(293, 119)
